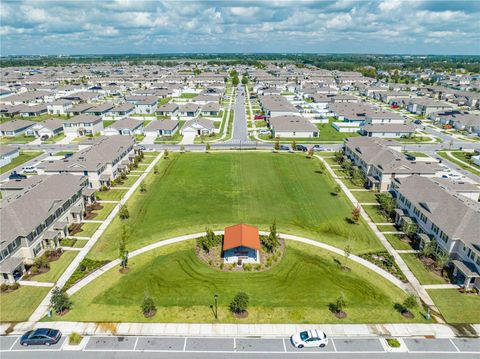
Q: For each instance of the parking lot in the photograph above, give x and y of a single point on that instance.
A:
(249, 345)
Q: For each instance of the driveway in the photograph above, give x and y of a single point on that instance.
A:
(65, 141)
(148, 140)
(188, 138)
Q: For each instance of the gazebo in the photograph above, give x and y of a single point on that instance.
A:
(241, 243)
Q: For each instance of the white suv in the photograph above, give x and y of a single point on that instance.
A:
(309, 338)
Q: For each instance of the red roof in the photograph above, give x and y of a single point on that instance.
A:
(241, 235)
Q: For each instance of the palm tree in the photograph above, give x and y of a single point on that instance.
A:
(442, 259)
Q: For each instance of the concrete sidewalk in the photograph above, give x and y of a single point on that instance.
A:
(243, 330)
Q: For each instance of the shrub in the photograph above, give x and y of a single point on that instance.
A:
(340, 304)
(143, 187)
(74, 339)
(239, 303)
(258, 266)
(14, 286)
(60, 300)
(124, 214)
(410, 302)
(34, 270)
(85, 267)
(3, 287)
(393, 343)
(209, 241)
(222, 265)
(271, 242)
(148, 306)
(247, 267)
(41, 262)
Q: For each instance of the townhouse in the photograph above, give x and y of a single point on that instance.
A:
(276, 105)
(36, 216)
(446, 217)
(381, 161)
(101, 159)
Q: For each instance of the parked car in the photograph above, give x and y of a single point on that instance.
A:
(29, 169)
(41, 336)
(44, 137)
(317, 148)
(16, 176)
(302, 148)
(259, 117)
(417, 122)
(284, 148)
(66, 155)
(264, 132)
(309, 338)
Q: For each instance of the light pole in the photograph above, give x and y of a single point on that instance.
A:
(215, 297)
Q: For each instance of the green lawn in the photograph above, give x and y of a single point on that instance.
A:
(80, 243)
(375, 214)
(88, 229)
(23, 157)
(188, 95)
(423, 275)
(417, 154)
(365, 196)
(55, 139)
(17, 306)
(396, 242)
(104, 212)
(219, 189)
(129, 181)
(107, 123)
(111, 195)
(455, 306)
(459, 155)
(56, 268)
(297, 290)
(387, 228)
(17, 139)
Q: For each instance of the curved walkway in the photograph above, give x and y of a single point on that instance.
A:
(116, 263)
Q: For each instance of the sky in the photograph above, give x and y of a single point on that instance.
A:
(41, 27)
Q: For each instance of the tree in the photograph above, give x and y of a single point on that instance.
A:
(235, 80)
(410, 302)
(165, 154)
(346, 252)
(143, 187)
(122, 249)
(244, 80)
(387, 203)
(271, 242)
(340, 303)
(148, 306)
(442, 259)
(338, 156)
(410, 229)
(60, 301)
(155, 169)
(277, 145)
(207, 147)
(321, 167)
(294, 145)
(239, 303)
(124, 214)
(310, 153)
(428, 250)
(356, 214)
(337, 190)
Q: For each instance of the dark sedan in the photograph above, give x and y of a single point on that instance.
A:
(41, 336)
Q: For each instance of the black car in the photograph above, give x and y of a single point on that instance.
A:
(302, 148)
(44, 137)
(41, 336)
(317, 147)
(284, 148)
(417, 122)
(16, 176)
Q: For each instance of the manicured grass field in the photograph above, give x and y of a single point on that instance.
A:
(130, 180)
(329, 133)
(55, 139)
(112, 194)
(214, 190)
(423, 275)
(375, 214)
(297, 290)
(17, 139)
(396, 242)
(80, 243)
(56, 268)
(387, 228)
(17, 306)
(365, 196)
(88, 229)
(104, 212)
(23, 157)
(457, 307)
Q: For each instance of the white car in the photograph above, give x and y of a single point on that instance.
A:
(309, 338)
(264, 132)
(29, 169)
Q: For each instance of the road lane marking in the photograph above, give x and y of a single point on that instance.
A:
(15, 342)
(334, 347)
(135, 346)
(185, 344)
(451, 341)
(284, 346)
(234, 345)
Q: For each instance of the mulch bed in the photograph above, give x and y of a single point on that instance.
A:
(150, 313)
(124, 270)
(340, 315)
(241, 315)
(430, 264)
(55, 255)
(75, 228)
(62, 313)
(407, 314)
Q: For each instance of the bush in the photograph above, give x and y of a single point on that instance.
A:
(3, 287)
(258, 266)
(247, 267)
(148, 306)
(222, 265)
(124, 214)
(85, 267)
(41, 262)
(239, 303)
(393, 343)
(14, 286)
(209, 241)
(34, 270)
(74, 339)
(410, 302)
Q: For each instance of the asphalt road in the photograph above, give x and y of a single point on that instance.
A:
(191, 347)
(239, 128)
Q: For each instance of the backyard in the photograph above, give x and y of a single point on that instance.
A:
(194, 191)
(297, 290)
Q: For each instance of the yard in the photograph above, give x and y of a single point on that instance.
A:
(56, 268)
(22, 158)
(55, 138)
(297, 290)
(112, 194)
(103, 213)
(365, 196)
(18, 305)
(196, 190)
(88, 229)
(375, 215)
(457, 307)
(423, 275)
(396, 242)
(17, 139)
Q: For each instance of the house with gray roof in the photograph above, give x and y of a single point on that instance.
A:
(168, 109)
(292, 127)
(199, 126)
(444, 217)
(276, 105)
(35, 218)
(381, 161)
(188, 111)
(161, 128)
(15, 127)
(50, 127)
(126, 127)
(83, 125)
(7, 154)
(100, 110)
(121, 111)
(210, 109)
(101, 159)
(426, 106)
(388, 130)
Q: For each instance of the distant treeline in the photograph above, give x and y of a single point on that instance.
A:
(343, 62)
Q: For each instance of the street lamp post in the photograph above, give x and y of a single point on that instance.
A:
(215, 297)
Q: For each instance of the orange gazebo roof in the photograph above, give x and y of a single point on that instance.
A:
(241, 235)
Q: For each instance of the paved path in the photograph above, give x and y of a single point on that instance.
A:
(33, 283)
(45, 304)
(115, 263)
(422, 293)
(441, 286)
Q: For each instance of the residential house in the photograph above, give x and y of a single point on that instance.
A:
(292, 126)
(15, 128)
(50, 127)
(199, 126)
(79, 109)
(169, 109)
(388, 130)
(121, 111)
(59, 107)
(188, 111)
(425, 106)
(448, 219)
(161, 128)
(147, 105)
(7, 154)
(276, 105)
(83, 125)
(127, 127)
(210, 109)
(100, 110)
(32, 110)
